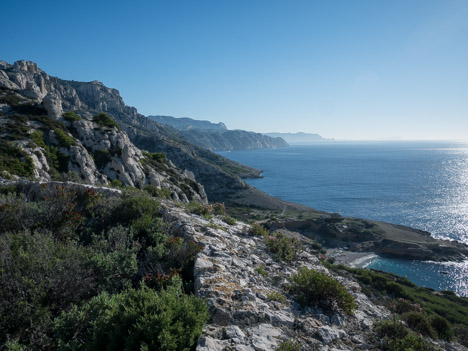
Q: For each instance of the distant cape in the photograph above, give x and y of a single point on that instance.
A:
(299, 138)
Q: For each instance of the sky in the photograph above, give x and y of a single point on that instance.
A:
(361, 69)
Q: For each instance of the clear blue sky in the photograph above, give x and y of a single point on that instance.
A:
(343, 69)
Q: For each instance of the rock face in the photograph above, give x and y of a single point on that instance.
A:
(185, 123)
(82, 149)
(216, 137)
(245, 313)
(220, 177)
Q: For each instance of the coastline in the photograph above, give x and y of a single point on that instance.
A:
(351, 258)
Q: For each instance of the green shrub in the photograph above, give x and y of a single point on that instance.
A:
(116, 184)
(419, 322)
(284, 248)
(71, 116)
(257, 229)
(104, 120)
(63, 139)
(218, 208)
(289, 346)
(442, 328)
(261, 270)
(229, 220)
(394, 336)
(14, 160)
(277, 296)
(38, 137)
(156, 156)
(139, 319)
(314, 288)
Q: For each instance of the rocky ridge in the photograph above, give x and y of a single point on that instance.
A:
(216, 137)
(81, 149)
(219, 176)
(245, 314)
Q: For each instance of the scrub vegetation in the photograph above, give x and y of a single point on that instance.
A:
(79, 270)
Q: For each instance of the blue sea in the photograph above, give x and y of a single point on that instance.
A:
(419, 184)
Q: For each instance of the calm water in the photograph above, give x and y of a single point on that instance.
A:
(420, 184)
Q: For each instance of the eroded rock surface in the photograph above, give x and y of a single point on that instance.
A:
(239, 278)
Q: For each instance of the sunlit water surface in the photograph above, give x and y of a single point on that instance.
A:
(420, 184)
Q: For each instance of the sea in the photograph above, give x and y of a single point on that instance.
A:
(421, 184)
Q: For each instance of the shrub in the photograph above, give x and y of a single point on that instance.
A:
(419, 322)
(104, 120)
(71, 116)
(229, 220)
(157, 156)
(396, 337)
(218, 208)
(116, 184)
(14, 160)
(284, 248)
(139, 319)
(277, 296)
(311, 287)
(442, 328)
(63, 139)
(261, 270)
(257, 229)
(289, 346)
(38, 137)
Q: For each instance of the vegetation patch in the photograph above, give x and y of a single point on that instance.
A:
(136, 319)
(444, 312)
(229, 220)
(314, 288)
(71, 116)
(81, 271)
(104, 120)
(14, 160)
(284, 248)
(63, 139)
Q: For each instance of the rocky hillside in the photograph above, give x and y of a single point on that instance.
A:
(92, 150)
(185, 123)
(220, 176)
(216, 137)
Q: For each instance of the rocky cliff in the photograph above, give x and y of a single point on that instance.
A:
(39, 141)
(216, 137)
(185, 123)
(220, 177)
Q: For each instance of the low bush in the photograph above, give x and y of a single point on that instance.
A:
(104, 120)
(314, 288)
(116, 184)
(257, 229)
(14, 160)
(277, 296)
(394, 336)
(419, 322)
(71, 116)
(229, 220)
(289, 346)
(284, 248)
(442, 327)
(63, 139)
(136, 319)
(157, 156)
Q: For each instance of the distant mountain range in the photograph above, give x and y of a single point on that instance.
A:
(298, 138)
(216, 136)
(185, 123)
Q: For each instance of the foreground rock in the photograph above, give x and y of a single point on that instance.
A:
(241, 282)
